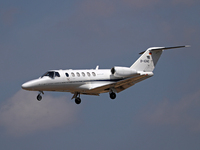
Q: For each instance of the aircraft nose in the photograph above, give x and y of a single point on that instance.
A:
(26, 86)
(30, 85)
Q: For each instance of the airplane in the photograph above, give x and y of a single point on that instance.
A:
(97, 81)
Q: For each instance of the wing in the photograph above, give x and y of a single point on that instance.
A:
(122, 85)
(117, 85)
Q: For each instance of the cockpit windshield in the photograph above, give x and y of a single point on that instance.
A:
(51, 74)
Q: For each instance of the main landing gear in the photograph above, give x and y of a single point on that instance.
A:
(112, 95)
(77, 98)
(39, 97)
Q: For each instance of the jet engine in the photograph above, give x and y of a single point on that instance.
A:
(122, 71)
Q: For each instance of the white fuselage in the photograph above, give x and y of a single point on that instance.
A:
(72, 81)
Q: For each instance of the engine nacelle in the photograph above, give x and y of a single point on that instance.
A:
(123, 71)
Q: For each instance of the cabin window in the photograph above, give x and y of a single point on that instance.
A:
(78, 74)
(93, 74)
(73, 75)
(57, 74)
(88, 74)
(67, 75)
(83, 74)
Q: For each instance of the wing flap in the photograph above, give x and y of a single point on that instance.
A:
(130, 82)
(119, 85)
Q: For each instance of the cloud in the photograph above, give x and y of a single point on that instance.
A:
(23, 114)
(183, 113)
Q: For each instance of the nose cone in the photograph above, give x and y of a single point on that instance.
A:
(30, 85)
(26, 86)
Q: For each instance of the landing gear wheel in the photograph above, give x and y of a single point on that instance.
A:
(77, 100)
(39, 97)
(112, 95)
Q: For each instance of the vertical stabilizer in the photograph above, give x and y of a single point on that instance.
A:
(150, 57)
(148, 60)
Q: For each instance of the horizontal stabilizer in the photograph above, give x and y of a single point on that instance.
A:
(165, 48)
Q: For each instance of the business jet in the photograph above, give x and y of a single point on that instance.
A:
(97, 81)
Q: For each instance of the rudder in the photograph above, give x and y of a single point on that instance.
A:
(148, 60)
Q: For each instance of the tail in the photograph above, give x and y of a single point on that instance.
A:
(149, 58)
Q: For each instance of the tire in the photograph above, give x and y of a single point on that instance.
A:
(39, 97)
(77, 100)
(112, 95)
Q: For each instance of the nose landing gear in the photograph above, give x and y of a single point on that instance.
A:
(39, 97)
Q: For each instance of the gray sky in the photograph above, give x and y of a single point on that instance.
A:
(159, 113)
